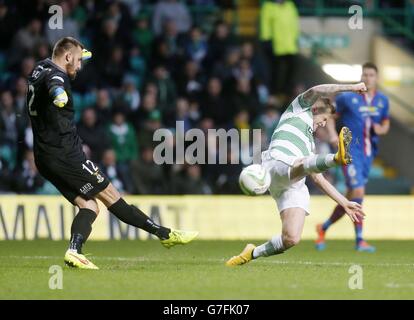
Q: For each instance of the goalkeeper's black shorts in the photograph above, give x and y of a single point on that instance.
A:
(73, 178)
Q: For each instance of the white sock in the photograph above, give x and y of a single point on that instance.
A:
(319, 163)
(269, 248)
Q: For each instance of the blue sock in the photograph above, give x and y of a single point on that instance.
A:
(335, 216)
(326, 224)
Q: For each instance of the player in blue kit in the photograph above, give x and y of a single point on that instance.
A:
(367, 116)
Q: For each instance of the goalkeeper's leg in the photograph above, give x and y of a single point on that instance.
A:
(133, 216)
(80, 230)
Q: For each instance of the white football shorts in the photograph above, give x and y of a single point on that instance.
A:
(287, 193)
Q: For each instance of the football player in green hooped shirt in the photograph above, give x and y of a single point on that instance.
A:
(290, 159)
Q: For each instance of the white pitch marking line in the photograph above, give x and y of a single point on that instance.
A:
(333, 263)
(95, 257)
(394, 285)
(310, 263)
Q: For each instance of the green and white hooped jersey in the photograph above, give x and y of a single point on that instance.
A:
(294, 134)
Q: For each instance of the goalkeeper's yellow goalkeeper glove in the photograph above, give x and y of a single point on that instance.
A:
(86, 55)
(60, 97)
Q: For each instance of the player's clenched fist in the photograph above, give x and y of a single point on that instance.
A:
(359, 87)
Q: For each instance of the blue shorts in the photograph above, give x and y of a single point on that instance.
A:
(356, 174)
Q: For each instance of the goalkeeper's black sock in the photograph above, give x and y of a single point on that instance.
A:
(135, 217)
(81, 228)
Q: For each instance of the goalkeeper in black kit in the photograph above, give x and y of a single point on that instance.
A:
(60, 159)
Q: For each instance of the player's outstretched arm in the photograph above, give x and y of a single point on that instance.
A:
(326, 90)
(352, 209)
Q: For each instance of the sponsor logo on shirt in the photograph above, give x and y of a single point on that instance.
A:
(370, 110)
(86, 188)
(99, 178)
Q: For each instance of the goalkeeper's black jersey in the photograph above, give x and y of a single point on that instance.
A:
(54, 130)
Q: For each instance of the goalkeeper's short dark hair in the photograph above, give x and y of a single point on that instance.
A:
(64, 45)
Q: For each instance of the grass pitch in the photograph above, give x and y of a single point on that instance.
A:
(146, 270)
